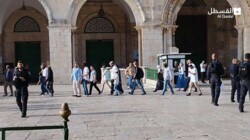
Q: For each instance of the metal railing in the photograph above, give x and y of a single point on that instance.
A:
(64, 127)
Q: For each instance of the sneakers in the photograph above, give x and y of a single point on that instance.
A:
(130, 93)
(189, 94)
(200, 94)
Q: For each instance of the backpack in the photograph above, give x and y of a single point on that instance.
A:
(140, 73)
(245, 71)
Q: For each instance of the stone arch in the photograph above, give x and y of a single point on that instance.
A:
(132, 8)
(26, 24)
(47, 10)
(9, 6)
(172, 7)
(11, 37)
(99, 25)
(83, 23)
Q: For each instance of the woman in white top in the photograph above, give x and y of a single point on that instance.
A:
(203, 71)
(193, 74)
(105, 77)
(93, 80)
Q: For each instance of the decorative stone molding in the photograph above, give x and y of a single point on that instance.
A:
(141, 9)
(47, 9)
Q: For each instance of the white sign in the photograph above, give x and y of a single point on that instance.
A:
(227, 13)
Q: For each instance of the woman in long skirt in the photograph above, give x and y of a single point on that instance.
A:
(181, 78)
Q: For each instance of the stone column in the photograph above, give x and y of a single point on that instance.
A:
(1, 52)
(152, 44)
(246, 40)
(139, 45)
(169, 38)
(240, 43)
(60, 47)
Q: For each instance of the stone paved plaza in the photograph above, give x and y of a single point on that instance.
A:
(127, 117)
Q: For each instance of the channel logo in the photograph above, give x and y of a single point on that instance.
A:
(237, 11)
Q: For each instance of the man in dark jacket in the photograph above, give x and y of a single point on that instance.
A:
(20, 81)
(214, 73)
(235, 79)
(245, 81)
(50, 80)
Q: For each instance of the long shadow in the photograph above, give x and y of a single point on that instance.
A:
(93, 113)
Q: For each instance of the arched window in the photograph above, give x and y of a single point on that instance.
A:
(99, 25)
(26, 24)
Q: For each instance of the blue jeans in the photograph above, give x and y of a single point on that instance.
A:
(167, 82)
(85, 88)
(116, 89)
(130, 83)
(139, 84)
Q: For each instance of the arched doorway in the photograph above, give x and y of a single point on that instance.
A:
(219, 34)
(202, 34)
(26, 38)
(102, 38)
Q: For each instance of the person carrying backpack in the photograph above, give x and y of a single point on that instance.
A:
(214, 73)
(137, 79)
(245, 81)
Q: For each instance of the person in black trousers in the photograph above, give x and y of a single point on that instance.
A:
(50, 80)
(214, 73)
(245, 81)
(93, 81)
(20, 81)
(235, 79)
(159, 84)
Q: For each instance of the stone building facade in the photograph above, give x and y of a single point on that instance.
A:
(58, 32)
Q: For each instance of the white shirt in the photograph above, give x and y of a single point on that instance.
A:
(167, 74)
(105, 74)
(113, 71)
(189, 68)
(194, 76)
(181, 70)
(86, 73)
(45, 73)
(116, 79)
(203, 68)
(92, 76)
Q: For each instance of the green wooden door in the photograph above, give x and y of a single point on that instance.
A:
(30, 54)
(98, 52)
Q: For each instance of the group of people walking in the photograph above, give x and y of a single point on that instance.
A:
(46, 80)
(83, 75)
(239, 74)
